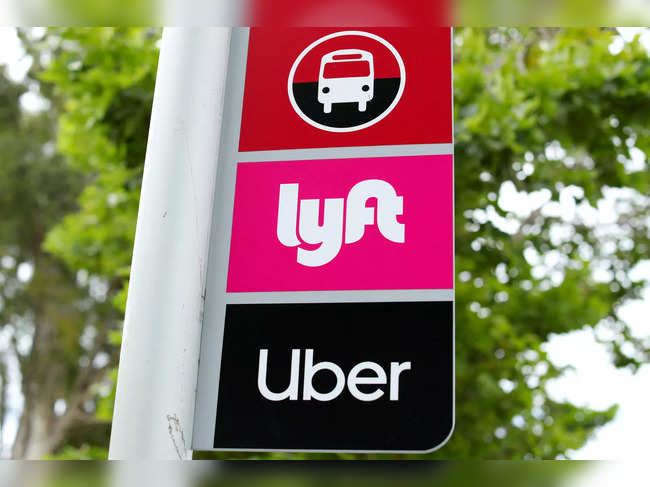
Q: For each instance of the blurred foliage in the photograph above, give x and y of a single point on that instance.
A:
(553, 116)
(377, 474)
(297, 474)
(81, 13)
(552, 113)
(60, 330)
(44, 309)
(107, 82)
(573, 13)
(320, 13)
(84, 452)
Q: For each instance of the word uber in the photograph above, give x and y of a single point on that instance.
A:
(330, 234)
(354, 379)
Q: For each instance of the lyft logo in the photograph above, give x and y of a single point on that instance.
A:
(291, 222)
(303, 215)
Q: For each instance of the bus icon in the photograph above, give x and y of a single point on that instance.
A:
(346, 76)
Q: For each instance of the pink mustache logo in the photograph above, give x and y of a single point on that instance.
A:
(303, 216)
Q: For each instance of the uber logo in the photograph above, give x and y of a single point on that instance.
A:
(310, 369)
(344, 376)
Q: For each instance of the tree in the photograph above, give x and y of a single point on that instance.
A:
(554, 114)
(549, 118)
(53, 319)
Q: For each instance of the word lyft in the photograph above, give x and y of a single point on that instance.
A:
(330, 234)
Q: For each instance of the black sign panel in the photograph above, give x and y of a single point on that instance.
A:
(344, 377)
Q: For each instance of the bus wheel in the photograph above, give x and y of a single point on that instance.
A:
(327, 108)
(362, 106)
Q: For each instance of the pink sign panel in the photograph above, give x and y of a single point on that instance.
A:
(344, 224)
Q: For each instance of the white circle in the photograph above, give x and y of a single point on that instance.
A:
(311, 122)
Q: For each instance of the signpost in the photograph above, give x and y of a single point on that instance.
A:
(154, 403)
(328, 321)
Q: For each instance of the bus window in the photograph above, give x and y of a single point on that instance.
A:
(350, 69)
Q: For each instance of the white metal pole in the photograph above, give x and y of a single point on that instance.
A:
(154, 406)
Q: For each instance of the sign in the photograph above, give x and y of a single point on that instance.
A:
(328, 320)
(316, 221)
(331, 87)
(412, 84)
(336, 376)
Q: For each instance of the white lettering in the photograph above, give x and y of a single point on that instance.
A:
(329, 235)
(358, 215)
(287, 215)
(354, 380)
(291, 392)
(308, 390)
(395, 370)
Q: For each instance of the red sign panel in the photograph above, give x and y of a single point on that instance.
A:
(316, 88)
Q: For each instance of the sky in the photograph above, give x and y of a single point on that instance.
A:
(608, 474)
(598, 384)
(594, 382)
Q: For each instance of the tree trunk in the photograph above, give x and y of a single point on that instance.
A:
(34, 438)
